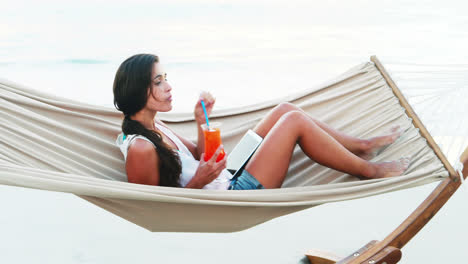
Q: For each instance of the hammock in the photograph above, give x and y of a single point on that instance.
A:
(57, 144)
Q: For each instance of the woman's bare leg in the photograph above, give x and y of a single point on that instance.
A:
(364, 148)
(270, 162)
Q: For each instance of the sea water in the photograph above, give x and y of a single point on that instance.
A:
(243, 52)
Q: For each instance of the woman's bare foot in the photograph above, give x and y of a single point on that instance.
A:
(372, 146)
(391, 168)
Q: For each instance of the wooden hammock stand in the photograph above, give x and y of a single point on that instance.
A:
(388, 251)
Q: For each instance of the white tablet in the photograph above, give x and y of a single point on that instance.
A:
(243, 151)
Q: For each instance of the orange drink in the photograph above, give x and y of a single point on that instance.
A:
(212, 140)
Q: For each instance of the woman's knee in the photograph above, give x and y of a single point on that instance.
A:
(294, 116)
(284, 108)
(295, 123)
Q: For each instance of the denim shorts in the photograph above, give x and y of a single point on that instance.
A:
(245, 181)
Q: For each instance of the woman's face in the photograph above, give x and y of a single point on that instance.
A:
(160, 97)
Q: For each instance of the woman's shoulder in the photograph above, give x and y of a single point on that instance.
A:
(141, 150)
(137, 143)
(140, 144)
(138, 138)
(142, 164)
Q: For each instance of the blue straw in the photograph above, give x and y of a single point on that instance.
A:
(206, 114)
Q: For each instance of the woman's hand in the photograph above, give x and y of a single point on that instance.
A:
(207, 171)
(209, 103)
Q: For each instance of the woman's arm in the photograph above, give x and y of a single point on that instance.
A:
(142, 165)
(207, 171)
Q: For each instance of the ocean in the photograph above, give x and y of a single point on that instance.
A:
(243, 52)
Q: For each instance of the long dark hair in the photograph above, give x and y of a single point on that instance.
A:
(131, 84)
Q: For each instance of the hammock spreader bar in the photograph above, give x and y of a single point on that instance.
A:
(389, 250)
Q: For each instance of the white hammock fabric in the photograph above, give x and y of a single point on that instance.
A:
(56, 144)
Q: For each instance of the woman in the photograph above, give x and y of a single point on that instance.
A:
(155, 155)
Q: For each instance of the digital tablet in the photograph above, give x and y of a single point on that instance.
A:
(242, 152)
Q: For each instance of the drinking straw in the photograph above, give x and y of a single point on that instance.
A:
(206, 114)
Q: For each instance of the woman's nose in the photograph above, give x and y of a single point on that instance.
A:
(169, 87)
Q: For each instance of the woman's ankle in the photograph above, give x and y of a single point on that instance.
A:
(369, 170)
(364, 145)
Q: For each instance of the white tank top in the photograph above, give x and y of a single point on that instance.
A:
(189, 163)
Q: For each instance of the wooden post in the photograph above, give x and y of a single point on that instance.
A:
(418, 219)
